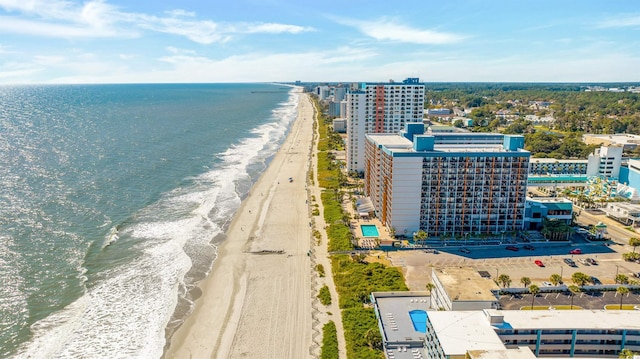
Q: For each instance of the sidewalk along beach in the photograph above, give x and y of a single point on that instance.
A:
(256, 303)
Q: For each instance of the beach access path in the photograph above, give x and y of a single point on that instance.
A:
(256, 303)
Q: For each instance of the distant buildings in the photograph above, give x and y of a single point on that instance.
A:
(447, 184)
(605, 162)
(380, 108)
(627, 141)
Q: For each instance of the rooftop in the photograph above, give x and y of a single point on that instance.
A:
(399, 144)
(466, 284)
(517, 353)
(577, 319)
(394, 314)
(459, 331)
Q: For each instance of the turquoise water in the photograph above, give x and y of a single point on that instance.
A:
(112, 201)
(369, 230)
(419, 320)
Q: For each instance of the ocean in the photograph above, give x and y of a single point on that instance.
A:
(112, 201)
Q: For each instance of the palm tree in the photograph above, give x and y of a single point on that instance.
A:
(580, 279)
(574, 289)
(430, 287)
(622, 279)
(525, 281)
(634, 242)
(505, 280)
(555, 279)
(534, 290)
(622, 291)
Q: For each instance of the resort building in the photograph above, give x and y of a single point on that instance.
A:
(447, 184)
(552, 166)
(605, 162)
(380, 108)
(410, 329)
(538, 209)
(626, 213)
(462, 289)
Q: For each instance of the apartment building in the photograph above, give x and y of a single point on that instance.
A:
(380, 108)
(447, 184)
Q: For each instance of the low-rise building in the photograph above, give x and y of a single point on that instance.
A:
(627, 213)
(462, 289)
(537, 209)
(411, 330)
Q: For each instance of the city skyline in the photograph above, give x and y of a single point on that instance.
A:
(112, 41)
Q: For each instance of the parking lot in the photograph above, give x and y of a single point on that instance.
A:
(584, 300)
(416, 264)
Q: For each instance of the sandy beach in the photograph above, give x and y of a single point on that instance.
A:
(256, 303)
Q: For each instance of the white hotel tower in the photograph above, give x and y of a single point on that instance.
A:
(380, 108)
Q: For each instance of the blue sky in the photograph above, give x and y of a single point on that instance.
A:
(117, 41)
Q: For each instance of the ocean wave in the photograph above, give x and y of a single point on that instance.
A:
(166, 248)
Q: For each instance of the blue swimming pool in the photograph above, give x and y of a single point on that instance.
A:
(369, 230)
(419, 320)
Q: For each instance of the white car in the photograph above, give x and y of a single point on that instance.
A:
(547, 284)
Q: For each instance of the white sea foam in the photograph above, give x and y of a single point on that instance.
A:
(125, 313)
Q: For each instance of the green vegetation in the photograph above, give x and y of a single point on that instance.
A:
(627, 354)
(556, 230)
(575, 112)
(580, 279)
(320, 270)
(634, 242)
(504, 280)
(337, 231)
(525, 281)
(324, 295)
(534, 290)
(357, 323)
(555, 279)
(355, 280)
(329, 348)
(619, 307)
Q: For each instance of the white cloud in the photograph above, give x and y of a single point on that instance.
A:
(271, 28)
(388, 30)
(97, 18)
(620, 21)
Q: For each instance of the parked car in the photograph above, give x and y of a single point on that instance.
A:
(529, 247)
(583, 261)
(592, 261)
(512, 248)
(465, 250)
(570, 262)
(595, 281)
(637, 275)
(538, 263)
(575, 251)
(547, 284)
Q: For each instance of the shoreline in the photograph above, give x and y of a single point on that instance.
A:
(256, 302)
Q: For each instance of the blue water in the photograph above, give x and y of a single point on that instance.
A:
(419, 320)
(369, 230)
(112, 201)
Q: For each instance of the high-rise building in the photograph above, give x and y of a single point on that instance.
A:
(380, 108)
(447, 184)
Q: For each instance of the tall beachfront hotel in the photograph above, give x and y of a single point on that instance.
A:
(447, 184)
(380, 108)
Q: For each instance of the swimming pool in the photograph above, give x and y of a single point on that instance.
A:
(419, 320)
(369, 230)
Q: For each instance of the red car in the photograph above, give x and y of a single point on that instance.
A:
(512, 248)
(575, 251)
(538, 263)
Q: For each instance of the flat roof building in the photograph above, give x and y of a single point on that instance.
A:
(447, 184)
(462, 289)
(409, 330)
